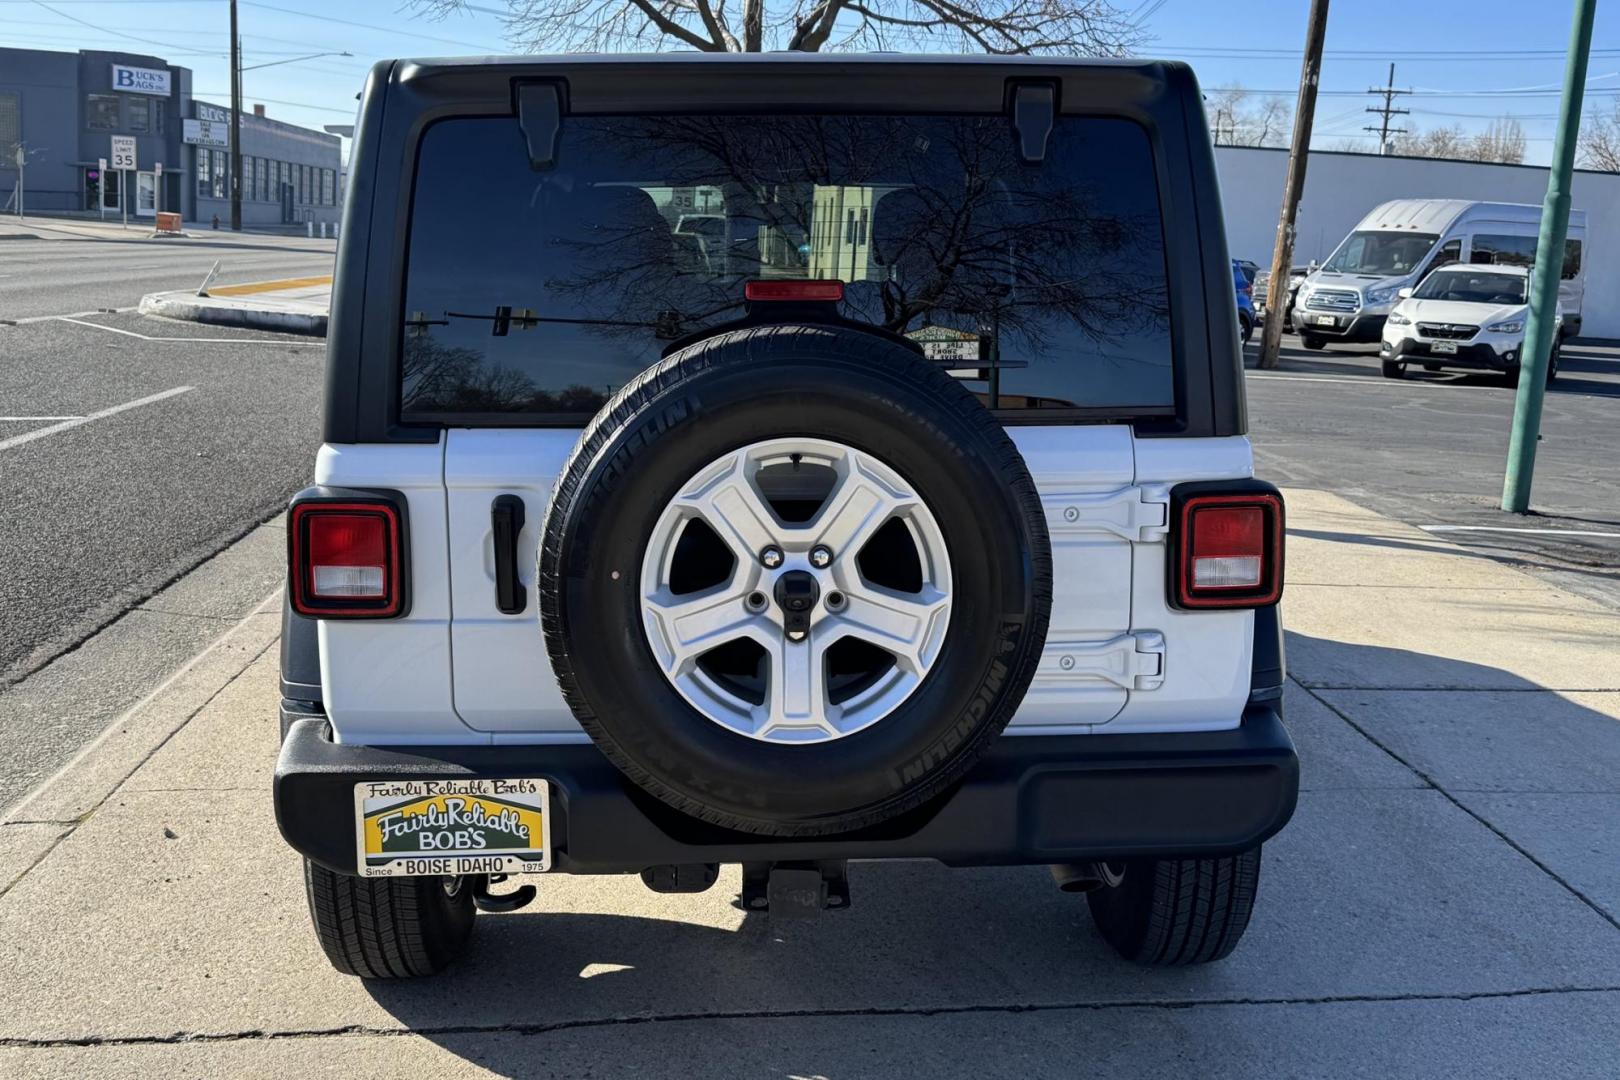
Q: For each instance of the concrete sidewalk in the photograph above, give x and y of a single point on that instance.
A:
(1446, 901)
(289, 306)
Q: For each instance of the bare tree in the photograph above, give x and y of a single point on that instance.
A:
(1237, 118)
(1441, 142)
(1347, 144)
(1600, 141)
(1502, 142)
(1003, 27)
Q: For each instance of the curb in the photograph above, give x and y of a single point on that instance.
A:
(192, 308)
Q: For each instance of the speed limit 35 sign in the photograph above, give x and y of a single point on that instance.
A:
(123, 152)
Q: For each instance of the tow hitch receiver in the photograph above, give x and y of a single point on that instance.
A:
(488, 901)
(795, 889)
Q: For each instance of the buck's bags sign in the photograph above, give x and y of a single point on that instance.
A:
(134, 80)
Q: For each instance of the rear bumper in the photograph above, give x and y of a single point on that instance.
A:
(1032, 800)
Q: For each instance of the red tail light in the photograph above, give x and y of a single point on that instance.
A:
(794, 290)
(346, 559)
(1228, 547)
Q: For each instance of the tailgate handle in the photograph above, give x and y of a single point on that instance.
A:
(506, 521)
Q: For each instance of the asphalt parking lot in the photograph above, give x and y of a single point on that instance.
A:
(1430, 450)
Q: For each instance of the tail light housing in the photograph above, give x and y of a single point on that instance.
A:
(346, 555)
(1226, 545)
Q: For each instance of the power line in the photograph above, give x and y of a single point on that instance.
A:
(480, 46)
(93, 26)
(1387, 110)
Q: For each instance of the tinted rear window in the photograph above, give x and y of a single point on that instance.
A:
(1042, 286)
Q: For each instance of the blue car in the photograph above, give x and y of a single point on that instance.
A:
(1244, 285)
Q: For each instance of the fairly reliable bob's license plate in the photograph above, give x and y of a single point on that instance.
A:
(416, 827)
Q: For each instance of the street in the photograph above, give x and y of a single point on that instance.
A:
(50, 267)
(131, 451)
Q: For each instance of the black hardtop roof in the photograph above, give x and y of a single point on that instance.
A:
(792, 81)
(1020, 64)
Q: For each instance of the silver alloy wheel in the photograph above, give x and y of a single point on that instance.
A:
(796, 705)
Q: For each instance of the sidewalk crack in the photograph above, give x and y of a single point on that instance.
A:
(1459, 804)
(366, 1031)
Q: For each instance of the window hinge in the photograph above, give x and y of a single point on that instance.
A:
(1131, 661)
(1139, 513)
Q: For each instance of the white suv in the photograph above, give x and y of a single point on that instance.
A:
(1463, 316)
(921, 525)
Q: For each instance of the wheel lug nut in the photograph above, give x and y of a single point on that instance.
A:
(771, 557)
(821, 556)
(756, 601)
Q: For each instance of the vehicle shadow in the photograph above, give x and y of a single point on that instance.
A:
(694, 986)
(1533, 558)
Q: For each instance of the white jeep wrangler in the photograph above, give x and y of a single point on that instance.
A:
(904, 509)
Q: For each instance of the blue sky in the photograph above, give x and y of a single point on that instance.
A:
(1459, 55)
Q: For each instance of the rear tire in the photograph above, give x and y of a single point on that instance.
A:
(1311, 341)
(1245, 327)
(1394, 369)
(388, 928)
(1175, 912)
(1552, 360)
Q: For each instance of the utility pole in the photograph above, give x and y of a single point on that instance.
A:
(1386, 110)
(236, 125)
(1541, 329)
(1282, 256)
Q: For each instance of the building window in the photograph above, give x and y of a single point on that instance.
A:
(260, 184)
(205, 184)
(328, 187)
(140, 114)
(219, 175)
(101, 112)
(10, 122)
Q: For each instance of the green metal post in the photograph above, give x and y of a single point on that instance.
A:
(1543, 321)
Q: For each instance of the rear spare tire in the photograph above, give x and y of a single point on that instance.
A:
(794, 580)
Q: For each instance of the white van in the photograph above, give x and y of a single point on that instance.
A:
(1395, 246)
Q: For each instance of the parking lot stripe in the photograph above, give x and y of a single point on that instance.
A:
(1512, 529)
(40, 433)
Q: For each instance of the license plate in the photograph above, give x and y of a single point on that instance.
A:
(418, 827)
(1326, 320)
(1444, 348)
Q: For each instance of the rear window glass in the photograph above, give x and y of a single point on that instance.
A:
(1042, 286)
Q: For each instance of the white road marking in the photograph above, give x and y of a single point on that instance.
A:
(1367, 381)
(1512, 529)
(70, 315)
(196, 340)
(66, 425)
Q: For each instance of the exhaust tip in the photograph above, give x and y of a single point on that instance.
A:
(1077, 877)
